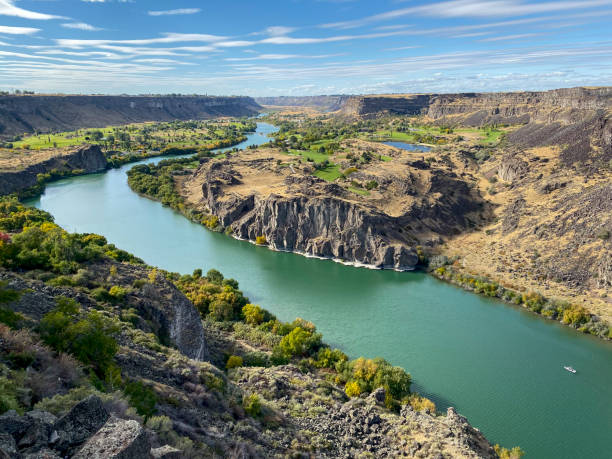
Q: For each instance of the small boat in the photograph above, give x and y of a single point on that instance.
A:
(570, 369)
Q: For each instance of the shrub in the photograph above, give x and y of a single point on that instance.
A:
(373, 373)
(505, 453)
(89, 337)
(252, 405)
(142, 398)
(352, 389)
(575, 315)
(300, 343)
(253, 314)
(234, 361)
(261, 240)
(420, 403)
(256, 359)
(117, 293)
(330, 358)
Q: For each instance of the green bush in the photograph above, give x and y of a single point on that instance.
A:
(300, 343)
(234, 361)
(142, 398)
(253, 314)
(89, 337)
(252, 405)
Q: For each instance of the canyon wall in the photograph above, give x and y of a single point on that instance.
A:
(475, 109)
(87, 159)
(33, 113)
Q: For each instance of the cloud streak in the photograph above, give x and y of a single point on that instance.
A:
(8, 8)
(179, 11)
(472, 9)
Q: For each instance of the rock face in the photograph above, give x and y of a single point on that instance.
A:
(19, 114)
(117, 439)
(176, 317)
(80, 423)
(88, 158)
(323, 226)
(567, 105)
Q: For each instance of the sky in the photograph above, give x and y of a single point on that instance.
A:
(303, 47)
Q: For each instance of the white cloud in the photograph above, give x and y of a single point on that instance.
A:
(279, 30)
(175, 12)
(167, 38)
(81, 26)
(18, 30)
(473, 8)
(7, 8)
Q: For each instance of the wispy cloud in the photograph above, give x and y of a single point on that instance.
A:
(81, 26)
(518, 36)
(18, 30)
(8, 8)
(178, 11)
(276, 57)
(472, 9)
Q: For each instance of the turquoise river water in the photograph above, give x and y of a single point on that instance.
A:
(499, 365)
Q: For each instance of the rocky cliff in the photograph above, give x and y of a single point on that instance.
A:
(28, 114)
(475, 109)
(20, 173)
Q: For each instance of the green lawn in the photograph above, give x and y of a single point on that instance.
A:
(305, 155)
(330, 173)
(64, 139)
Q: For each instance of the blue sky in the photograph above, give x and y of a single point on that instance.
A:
(303, 47)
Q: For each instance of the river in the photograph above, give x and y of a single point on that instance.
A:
(499, 365)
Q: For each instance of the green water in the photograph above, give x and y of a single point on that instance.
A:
(498, 365)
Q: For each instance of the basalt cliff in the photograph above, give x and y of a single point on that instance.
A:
(22, 172)
(475, 109)
(57, 113)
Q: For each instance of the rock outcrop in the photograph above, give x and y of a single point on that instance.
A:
(117, 439)
(33, 113)
(87, 159)
(291, 210)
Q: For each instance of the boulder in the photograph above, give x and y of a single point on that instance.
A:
(13, 424)
(39, 432)
(166, 452)
(117, 439)
(80, 423)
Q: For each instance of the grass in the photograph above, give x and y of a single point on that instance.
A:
(305, 155)
(330, 173)
(63, 139)
(491, 136)
(360, 191)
